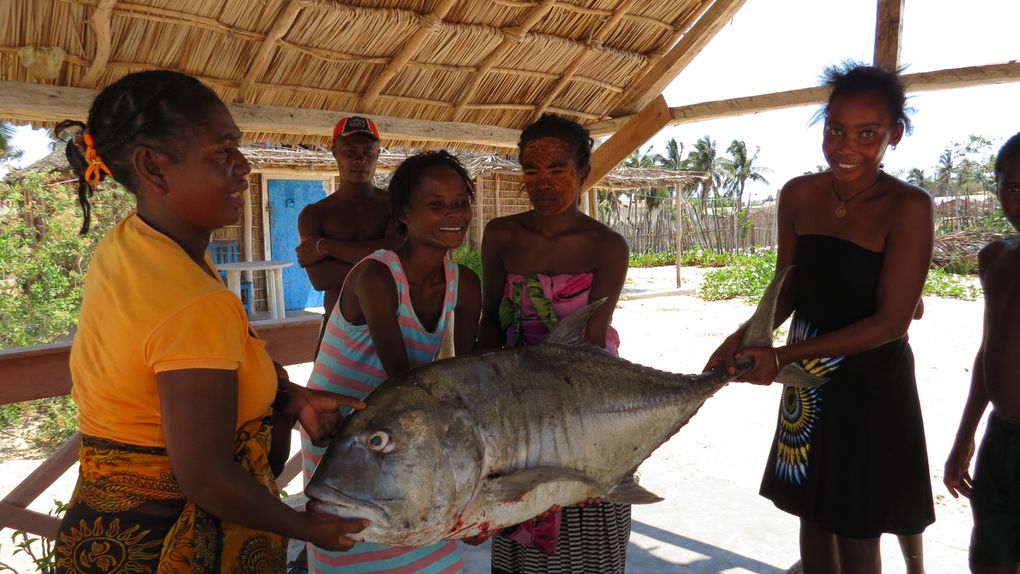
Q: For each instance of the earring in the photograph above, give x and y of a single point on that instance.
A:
(894, 146)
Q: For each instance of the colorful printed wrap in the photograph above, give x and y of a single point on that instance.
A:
(128, 514)
(527, 321)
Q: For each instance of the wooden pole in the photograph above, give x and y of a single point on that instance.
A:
(640, 129)
(679, 229)
(888, 31)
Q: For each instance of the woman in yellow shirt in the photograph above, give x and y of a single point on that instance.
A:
(175, 392)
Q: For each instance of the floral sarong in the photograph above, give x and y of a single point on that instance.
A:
(128, 514)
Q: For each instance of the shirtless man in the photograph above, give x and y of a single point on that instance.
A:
(994, 491)
(341, 229)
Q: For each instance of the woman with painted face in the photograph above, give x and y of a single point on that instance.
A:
(849, 456)
(175, 392)
(392, 313)
(539, 267)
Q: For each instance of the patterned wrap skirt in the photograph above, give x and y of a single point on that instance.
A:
(128, 514)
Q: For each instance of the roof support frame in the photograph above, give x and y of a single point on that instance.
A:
(888, 34)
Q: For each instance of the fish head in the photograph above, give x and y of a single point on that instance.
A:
(408, 463)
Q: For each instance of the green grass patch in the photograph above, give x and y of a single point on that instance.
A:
(470, 258)
(942, 283)
(749, 276)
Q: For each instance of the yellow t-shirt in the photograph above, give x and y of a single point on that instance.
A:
(149, 308)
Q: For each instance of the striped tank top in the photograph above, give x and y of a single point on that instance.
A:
(348, 364)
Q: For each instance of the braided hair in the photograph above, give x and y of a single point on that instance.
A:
(156, 108)
(570, 132)
(405, 179)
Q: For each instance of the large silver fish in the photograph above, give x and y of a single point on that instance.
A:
(469, 444)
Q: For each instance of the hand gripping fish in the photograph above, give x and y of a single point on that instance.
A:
(474, 443)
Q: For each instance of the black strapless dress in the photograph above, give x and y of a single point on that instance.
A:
(849, 455)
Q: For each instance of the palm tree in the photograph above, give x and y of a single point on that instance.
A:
(673, 159)
(739, 168)
(704, 161)
(7, 152)
(916, 176)
(944, 172)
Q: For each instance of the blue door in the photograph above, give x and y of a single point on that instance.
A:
(286, 199)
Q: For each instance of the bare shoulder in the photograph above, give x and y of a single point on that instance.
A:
(502, 228)
(800, 189)
(370, 276)
(1001, 248)
(468, 278)
(911, 197)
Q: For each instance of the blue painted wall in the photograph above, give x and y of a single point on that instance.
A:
(286, 199)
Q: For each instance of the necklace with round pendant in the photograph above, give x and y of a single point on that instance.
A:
(840, 211)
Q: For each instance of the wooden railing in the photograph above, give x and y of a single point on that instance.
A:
(40, 372)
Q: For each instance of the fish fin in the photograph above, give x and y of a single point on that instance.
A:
(793, 375)
(758, 332)
(628, 491)
(514, 485)
(569, 330)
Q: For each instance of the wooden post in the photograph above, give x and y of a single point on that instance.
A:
(641, 128)
(888, 31)
(480, 202)
(246, 230)
(679, 229)
(495, 192)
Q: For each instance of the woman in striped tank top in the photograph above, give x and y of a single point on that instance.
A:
(394, 308)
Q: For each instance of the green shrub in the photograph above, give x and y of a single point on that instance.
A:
(750, 275)
(704, 257)
(942, 283)
(746, 278)
(469, 257)
(652, 259)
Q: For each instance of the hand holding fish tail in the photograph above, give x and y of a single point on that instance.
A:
(330, 532)
(724, 355)
(318, 411)
(766, 365)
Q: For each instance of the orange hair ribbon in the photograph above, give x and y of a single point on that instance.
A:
(96, 165)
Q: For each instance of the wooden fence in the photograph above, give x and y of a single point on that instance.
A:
(654, 230)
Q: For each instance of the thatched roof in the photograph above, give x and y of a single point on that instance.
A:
(269, 156)
(496, 63)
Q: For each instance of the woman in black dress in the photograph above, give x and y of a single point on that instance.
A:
(849, 457)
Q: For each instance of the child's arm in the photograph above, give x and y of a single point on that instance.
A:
(957, 471)
(466, 314)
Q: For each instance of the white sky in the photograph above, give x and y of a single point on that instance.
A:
(775, 45)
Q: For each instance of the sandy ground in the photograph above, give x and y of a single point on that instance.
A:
(712, 519)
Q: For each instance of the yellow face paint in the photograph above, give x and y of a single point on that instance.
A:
(552, 179)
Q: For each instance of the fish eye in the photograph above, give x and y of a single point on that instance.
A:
(380, 441)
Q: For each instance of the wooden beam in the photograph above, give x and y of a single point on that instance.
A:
(281, 25)
(679, 56)
(100, 22)
(429, 24)
(888, 33)
(40, 103)
(646, 124)
(921, 82)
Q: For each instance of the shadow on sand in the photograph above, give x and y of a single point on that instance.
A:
(712, 559)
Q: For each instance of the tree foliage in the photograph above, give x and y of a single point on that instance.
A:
(42, 257)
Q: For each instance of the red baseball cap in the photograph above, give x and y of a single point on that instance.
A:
(355, 125)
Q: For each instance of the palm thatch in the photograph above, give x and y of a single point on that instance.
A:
(488, 62)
